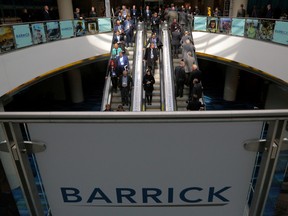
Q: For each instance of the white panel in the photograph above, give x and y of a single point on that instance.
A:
(93, 157)
(26, 64)
(268, 57)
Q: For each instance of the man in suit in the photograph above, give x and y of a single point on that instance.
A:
(119, 39)
(118, 27)
(180, 78)
(151, 56)
(125, 86)
(45, 14)
(147, 16)
(122, 62)
(155, 21)
(128, 30)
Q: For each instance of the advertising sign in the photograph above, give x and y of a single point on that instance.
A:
(53, 31)
(66, 29)
(104, 24)
(92, 27)
(23, 35)
(238, 27)
(225, 25)
(6, 38)
(148, 168)
(200, 23)
(79, 26)
(251, 30)
(38, 33)
(266, 29)
(212, 24)
(280, 34)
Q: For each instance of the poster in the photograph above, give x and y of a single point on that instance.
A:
(225, 25)
(38, 33)
(280, 34)
(66, 29)
(251, 28)
(22, 35)
(6, 38)
(212, 24)
(104, 24)
(79, 27)
(200, 23)
(238, 27)
(53, 31)
(266, 29)
(92, 28)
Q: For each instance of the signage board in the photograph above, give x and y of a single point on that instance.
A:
(148, 168)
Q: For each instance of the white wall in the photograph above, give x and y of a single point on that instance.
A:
(267, 57)
(21, 66)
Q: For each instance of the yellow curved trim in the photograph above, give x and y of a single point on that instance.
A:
(57, 70)
(241, 65)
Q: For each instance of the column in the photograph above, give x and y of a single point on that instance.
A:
(65, 8)
(231, 84)
(75, 84)
(235, 5)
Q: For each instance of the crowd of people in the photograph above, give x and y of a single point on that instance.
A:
(187, 73)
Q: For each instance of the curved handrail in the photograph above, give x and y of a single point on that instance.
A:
(263, 29)
(24, 35)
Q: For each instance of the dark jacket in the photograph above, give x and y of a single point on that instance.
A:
(148, 87)
(147, 57)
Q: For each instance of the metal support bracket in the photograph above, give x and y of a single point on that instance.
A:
(260, 145)
(29, 147)
(3, 146)
(255, 145)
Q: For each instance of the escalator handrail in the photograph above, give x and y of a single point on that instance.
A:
(168, 78)
(107, 90)
(137, 73)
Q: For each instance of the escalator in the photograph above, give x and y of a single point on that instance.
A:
(111, 97)
(181, 102)
(156, 104)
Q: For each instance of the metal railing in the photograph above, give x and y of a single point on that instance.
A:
(268, 30)
(21, 35)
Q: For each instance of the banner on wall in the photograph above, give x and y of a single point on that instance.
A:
(251, 28)
(22, 35)
(66, 29)
(53, 31)
(225, 25)
(86, 171)
(266, 29)
(280, 34)
(79, 26)
(238, 27)
(92, 27)
(38, 33)
(212, 24)
(6, 38)
(200, 23)
(104, 24)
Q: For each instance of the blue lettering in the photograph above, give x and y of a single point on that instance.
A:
(217, 194)
(101, 197)
(145, 194)
(170, 195)
(184, 198)
(119, 194)
(70, 195)
(22, 35)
